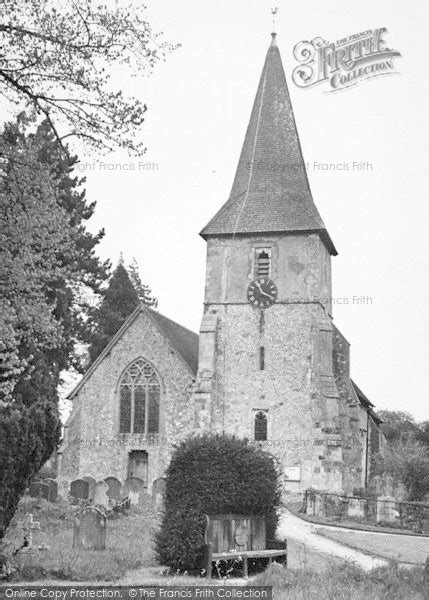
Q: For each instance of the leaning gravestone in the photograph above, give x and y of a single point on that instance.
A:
(91, 486)
(100, 494)
(114, 491)
(133, 488)
(79, 489)
(38, 489)
(158, 492)
(89, 529)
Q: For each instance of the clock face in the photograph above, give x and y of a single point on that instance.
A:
(262, 292)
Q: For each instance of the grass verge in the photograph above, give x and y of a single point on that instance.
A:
(346, 582)
(412, 550)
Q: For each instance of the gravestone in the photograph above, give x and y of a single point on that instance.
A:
(28, 526)
(133, 488)
(38, 489)
(158, 492)
(89, 529)
(356, 508)
(100, 494)
(114, 491)
(53, 488)
(386, 509)
(91, 487)
(79, 489)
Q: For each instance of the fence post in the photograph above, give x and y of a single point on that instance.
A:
(426, 574)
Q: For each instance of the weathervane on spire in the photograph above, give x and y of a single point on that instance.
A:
(274, 11)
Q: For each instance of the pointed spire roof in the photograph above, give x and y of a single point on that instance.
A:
(270, 193)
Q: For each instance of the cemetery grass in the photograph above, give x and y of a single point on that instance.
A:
(129, 544)
(400, 548)
(345, 582)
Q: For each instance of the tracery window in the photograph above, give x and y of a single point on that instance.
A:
(139, 395)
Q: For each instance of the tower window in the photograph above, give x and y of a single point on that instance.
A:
(262, 262)
(139, 395)
(261, 429)
(261, 358)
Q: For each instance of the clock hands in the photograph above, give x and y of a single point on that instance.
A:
(256, 290)
(262, 291)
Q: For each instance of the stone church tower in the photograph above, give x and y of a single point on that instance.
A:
(269, 364)
(266, 340)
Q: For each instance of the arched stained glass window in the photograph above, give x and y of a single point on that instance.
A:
(261, 426)
(139, 394)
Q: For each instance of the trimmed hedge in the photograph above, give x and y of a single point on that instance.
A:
(213, 474)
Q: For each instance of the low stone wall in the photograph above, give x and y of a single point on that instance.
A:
(383, 510)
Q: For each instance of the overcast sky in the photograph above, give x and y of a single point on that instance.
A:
(199, 104)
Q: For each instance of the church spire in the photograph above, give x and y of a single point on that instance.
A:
(270, 193)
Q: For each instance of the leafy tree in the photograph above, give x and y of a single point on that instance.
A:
(406, 456)
(144, 292)
(408, 461)
(397, 425)
(33, 226)
(47, 256)
(118, 302)
(88, 272)
(423, 434)
(213, 474)
(57, 59)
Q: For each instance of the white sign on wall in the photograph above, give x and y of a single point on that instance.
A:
(293, 473)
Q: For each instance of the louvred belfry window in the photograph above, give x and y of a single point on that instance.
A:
(262, 262)
(139, 395)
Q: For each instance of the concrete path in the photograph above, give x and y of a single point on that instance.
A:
(305, 533)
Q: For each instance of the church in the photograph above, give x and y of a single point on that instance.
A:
(269, 365)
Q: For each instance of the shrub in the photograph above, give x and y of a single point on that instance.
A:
(28, 435)
(213, 474)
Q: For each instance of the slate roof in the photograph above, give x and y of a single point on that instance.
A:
(184, 341)
(270, 193)
(366, 403)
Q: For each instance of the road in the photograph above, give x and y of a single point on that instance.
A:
(291, 527)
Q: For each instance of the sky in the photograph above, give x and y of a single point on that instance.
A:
(199, 102)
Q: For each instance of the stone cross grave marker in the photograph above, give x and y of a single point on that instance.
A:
(28, 526)
(89, 530)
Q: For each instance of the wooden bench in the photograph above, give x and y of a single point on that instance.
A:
(229, 537)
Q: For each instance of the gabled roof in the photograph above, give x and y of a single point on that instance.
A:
(184, 341)
(366, 403)
(270, 193)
